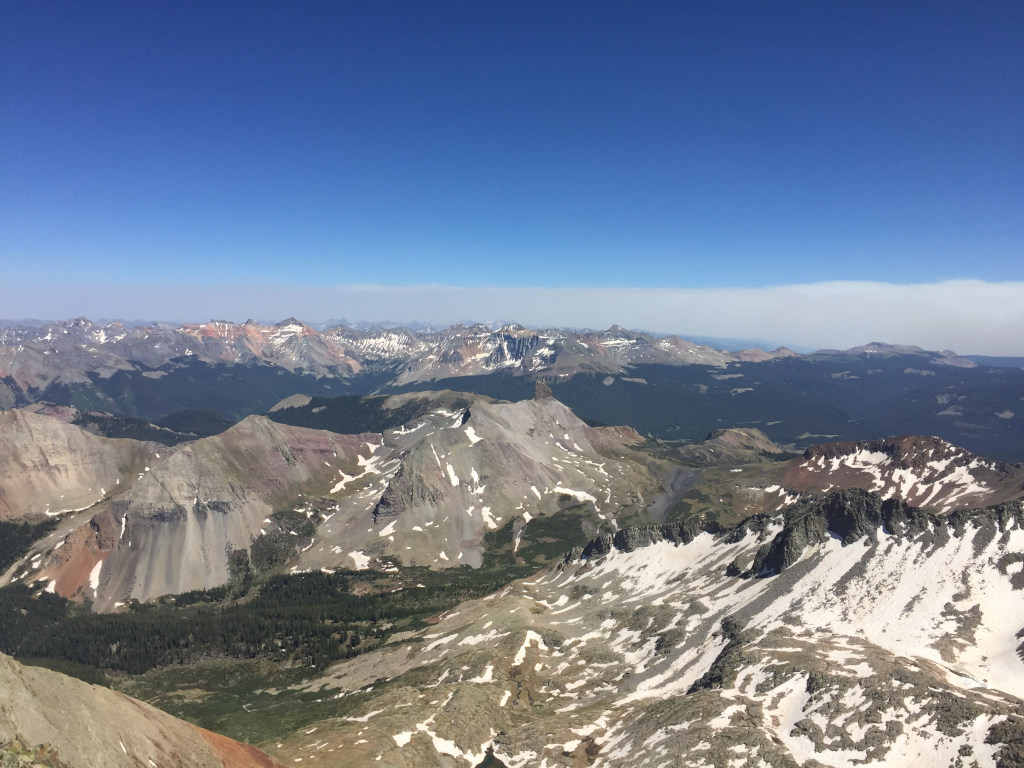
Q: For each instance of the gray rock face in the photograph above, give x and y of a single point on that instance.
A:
(636, 537)
(172, 527)
(180, 521)
(427, 493)
(855, 515)
(48, 467)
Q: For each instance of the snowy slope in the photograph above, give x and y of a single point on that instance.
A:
(926, 472)
(890, 650)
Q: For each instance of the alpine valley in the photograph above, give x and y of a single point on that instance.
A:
(277, 545)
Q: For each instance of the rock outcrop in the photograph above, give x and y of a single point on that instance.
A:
(855, 515)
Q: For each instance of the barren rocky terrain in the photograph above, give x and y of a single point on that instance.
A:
(46, 716)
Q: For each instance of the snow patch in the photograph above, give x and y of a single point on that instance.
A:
(362, 561)
(94, 576)
(531, 638)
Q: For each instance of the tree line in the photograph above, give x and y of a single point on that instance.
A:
(309, 619)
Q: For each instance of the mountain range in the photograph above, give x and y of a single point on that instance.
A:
(186, 378)
(35, 357)
(160, 521)
(458, 484)
(409, 548)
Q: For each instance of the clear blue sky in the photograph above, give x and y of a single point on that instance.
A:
(591, 144)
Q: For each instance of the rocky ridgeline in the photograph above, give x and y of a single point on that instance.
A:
(922, 453)
(32, 358)
(855, 515)
(637, 537)
(884, 639)
(849, 515)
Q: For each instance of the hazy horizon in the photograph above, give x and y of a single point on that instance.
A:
(836, 315)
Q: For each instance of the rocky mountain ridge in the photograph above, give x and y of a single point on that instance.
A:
(882, 637)
(31, 358)
(189, 378)
(466, 478)
(426, 493)
(925, 471)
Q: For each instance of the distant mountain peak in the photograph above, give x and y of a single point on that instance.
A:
(925, 471)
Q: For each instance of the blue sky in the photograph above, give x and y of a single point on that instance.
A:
(150, 149)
